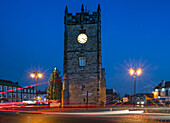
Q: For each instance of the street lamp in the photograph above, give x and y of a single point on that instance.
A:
(135, 72)
(36, 75)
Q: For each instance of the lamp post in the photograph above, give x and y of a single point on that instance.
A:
(135, 72)
(87, 99)
(36, 75)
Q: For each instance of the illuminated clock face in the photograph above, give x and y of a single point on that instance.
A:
(82, 38)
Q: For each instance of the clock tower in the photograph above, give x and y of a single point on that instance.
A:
(84, 77)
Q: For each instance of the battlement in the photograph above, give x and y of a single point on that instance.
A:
(82, 17)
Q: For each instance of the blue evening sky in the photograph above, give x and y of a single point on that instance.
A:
(134, 33)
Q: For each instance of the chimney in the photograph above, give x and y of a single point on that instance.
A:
(163, 83)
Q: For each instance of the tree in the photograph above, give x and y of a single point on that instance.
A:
(54, 88)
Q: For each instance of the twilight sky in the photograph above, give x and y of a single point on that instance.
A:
(134, 33)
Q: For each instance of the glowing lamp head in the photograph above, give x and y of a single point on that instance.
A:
(40, 75)
(131, 71)
(32, 75)
(139, 71)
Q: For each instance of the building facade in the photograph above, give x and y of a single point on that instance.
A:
(42, 95)
(111, 95)
(141, 98)
(82, 69)
(13, 94)
(162, 91)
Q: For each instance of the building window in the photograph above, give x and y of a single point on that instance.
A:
(34, 91)
(25, 96)
(83, 87)
(31, 91)
(0, 95)
(5, 88)
(28, 90)
(32, 95)
(82, 61)
(14, 89)
(9, 100)
(166, 93)
(5, 95)
(25, 90)
(9, 88)
(19, 95)
(159, 93)
(28, 96)
(0, 87)
(19, 90)
(14, 95)
(10, 95)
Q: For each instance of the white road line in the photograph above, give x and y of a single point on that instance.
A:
(98, 113)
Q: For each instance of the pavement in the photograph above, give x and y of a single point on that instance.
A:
(70, 115)
(90, 115)
(148, 109)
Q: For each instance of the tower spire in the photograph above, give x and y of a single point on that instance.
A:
(98, 9)
(82, 8)
(82, 16)
(66, 10)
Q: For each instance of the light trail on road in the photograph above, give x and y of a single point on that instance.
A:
(35, 85)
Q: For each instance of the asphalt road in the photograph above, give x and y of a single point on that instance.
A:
(8, 117)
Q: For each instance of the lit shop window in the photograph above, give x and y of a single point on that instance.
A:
(82, 61)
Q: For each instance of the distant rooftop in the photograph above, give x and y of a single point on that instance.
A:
(9, 83)
(167, 85)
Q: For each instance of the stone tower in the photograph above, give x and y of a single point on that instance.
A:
(82, 68)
